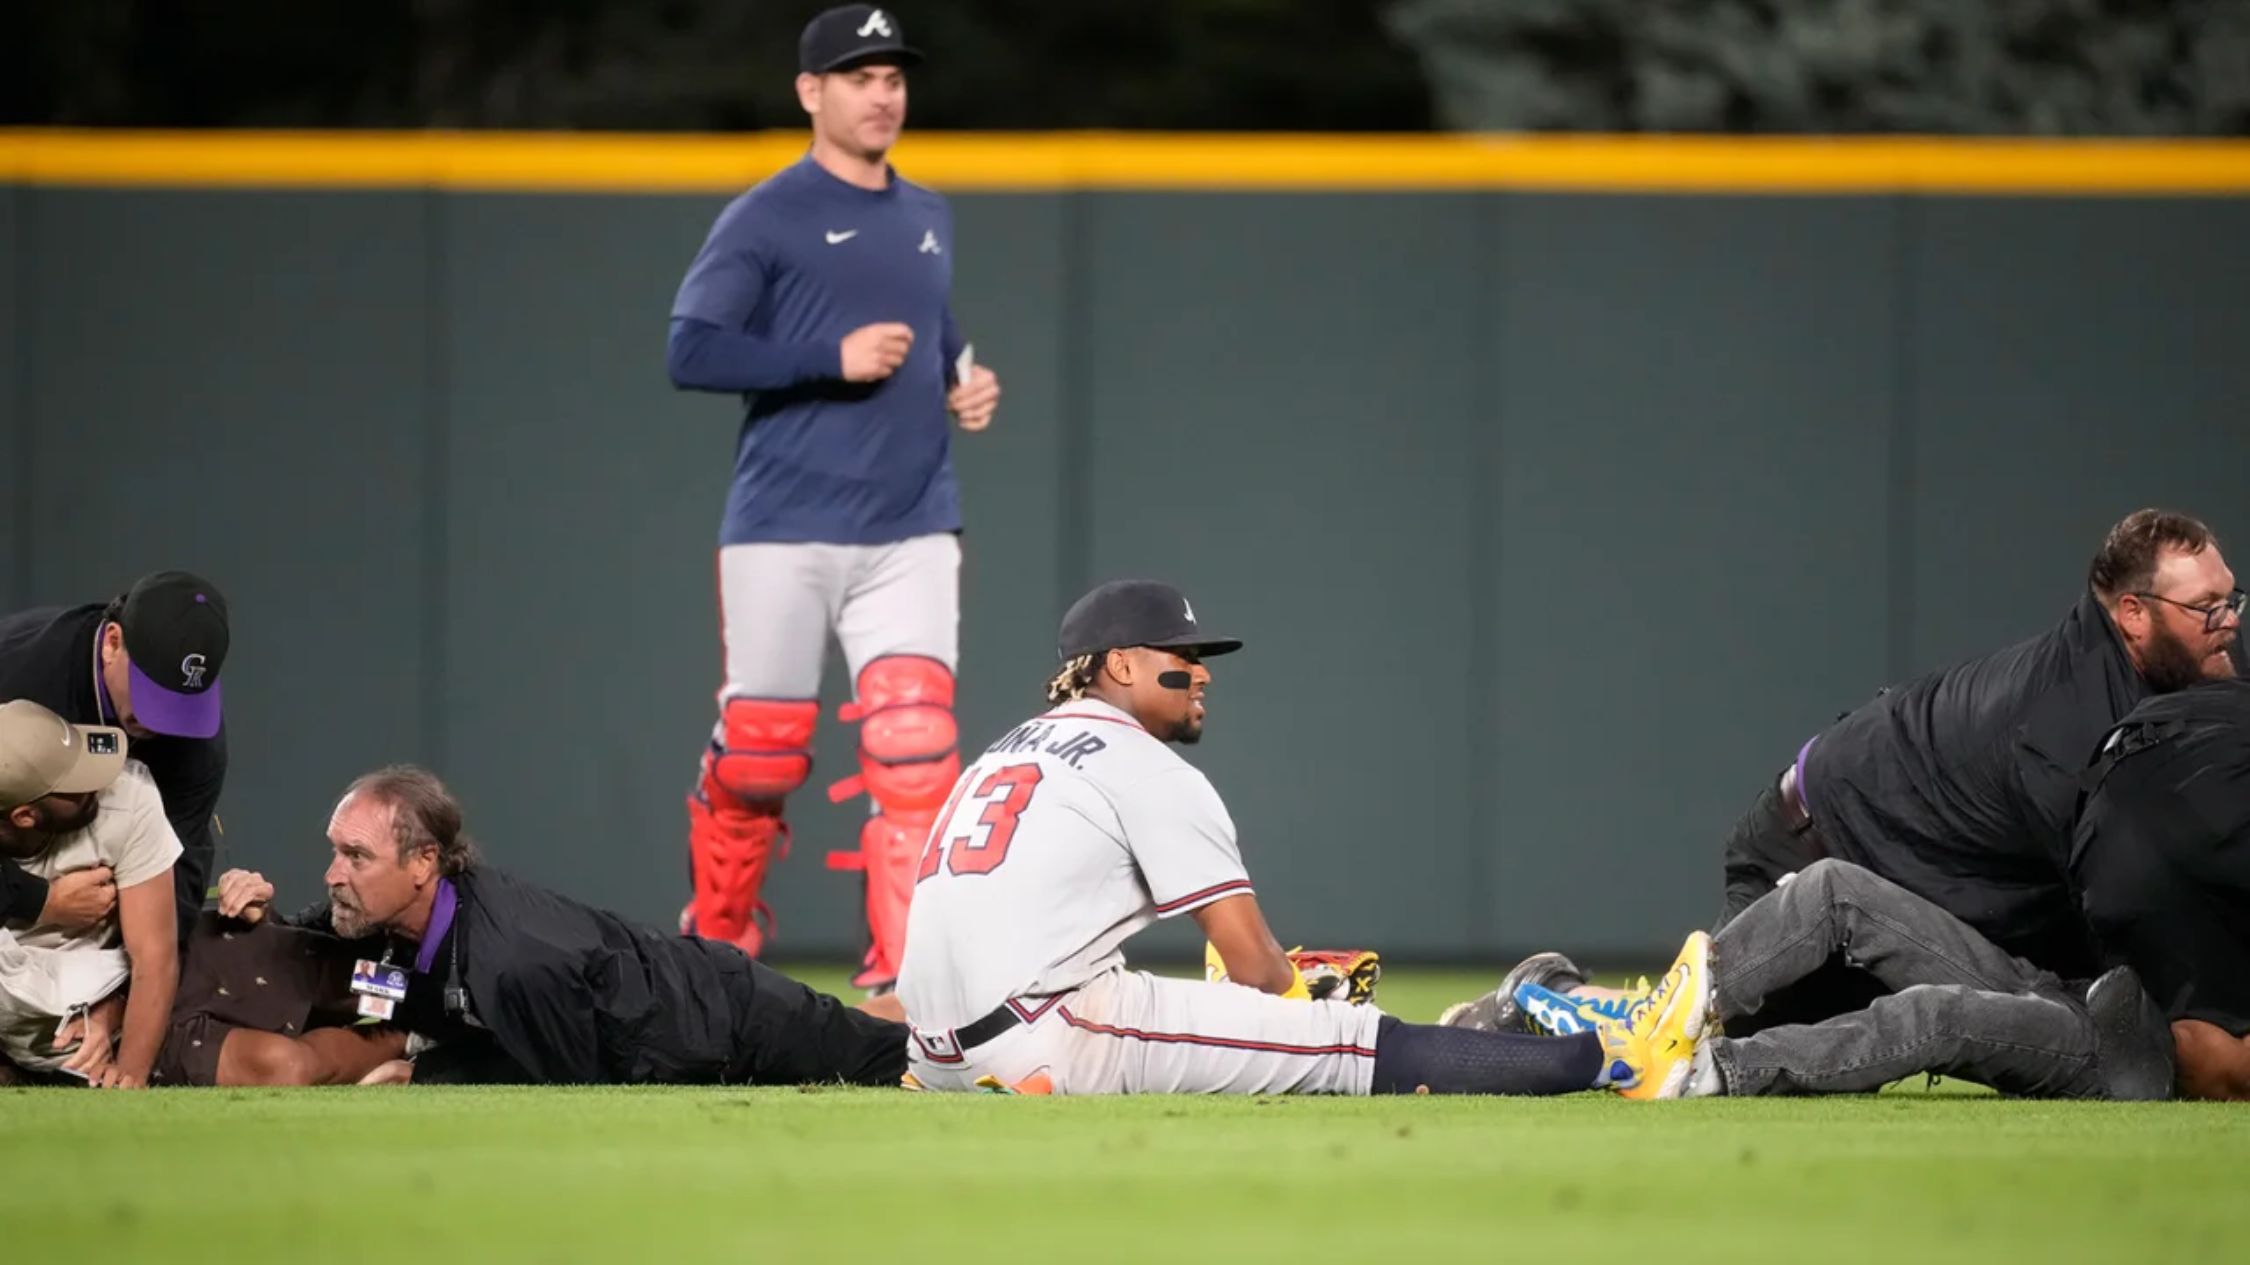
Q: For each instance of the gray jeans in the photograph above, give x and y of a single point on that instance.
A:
(1957, 1005)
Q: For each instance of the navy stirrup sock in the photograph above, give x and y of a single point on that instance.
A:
(1409, 1056)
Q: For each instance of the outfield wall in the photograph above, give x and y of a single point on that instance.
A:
(1558, 495)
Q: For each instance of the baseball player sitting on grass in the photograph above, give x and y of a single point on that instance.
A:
(1081, 826)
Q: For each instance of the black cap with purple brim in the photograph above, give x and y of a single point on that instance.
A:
(175, 627)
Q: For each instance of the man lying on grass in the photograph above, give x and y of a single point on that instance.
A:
(97, 1004)
(2162, 866)
(507, 982)
(2160, 860)
(1950, 1002)
(265, 1004)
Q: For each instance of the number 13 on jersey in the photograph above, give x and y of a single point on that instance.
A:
(973, 832)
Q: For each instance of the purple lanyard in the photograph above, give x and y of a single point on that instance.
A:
(103, 708)
(441, 921)
(1804, 796)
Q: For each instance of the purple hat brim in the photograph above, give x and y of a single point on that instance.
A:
(171, 713)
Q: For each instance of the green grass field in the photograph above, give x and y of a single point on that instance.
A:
(772, 1175)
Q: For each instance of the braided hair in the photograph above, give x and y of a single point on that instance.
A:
(1076, 676)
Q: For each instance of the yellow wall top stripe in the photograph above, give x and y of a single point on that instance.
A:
(576, 162)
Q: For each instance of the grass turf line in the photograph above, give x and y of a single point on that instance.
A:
(780, 1175)
(772, 1175)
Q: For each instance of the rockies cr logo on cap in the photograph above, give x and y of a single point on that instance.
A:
(175, 634)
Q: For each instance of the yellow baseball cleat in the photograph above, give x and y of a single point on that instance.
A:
(1035, 1084)
(1656, 1039)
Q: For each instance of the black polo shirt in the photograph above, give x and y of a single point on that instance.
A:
(2162, 852)
(1962, 786)
(551, 991)
(47, 656)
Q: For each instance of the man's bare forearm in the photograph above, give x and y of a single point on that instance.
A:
(145, 914)
(2213, 1063)
(148, 1012)
(1237, 929)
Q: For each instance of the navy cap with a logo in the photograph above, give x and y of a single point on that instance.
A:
(853, 35)
(1126, 613)
(176, 639)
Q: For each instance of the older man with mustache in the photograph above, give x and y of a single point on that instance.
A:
(498, 980)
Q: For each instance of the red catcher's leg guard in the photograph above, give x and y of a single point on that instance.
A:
(890, 847)
(907, 756)
(765, 746)
(734, 815)
(728, 851)
(908, 761)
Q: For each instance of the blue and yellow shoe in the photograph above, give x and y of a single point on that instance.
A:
(1650, 1052)
(1556, 1014)
(1497, 1011)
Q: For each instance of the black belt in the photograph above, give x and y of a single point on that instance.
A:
(1002, 1018)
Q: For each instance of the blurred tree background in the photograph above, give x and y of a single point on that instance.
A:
(2117, 67)
(2041, 67)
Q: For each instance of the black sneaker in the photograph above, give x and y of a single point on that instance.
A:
(1497, 1011)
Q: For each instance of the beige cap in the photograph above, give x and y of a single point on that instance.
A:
(43, 754)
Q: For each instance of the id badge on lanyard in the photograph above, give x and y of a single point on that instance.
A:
(379, 986)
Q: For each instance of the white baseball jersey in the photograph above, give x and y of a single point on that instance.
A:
(1072, 832)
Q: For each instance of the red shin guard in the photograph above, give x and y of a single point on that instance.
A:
(908, 761)
(890, 847)
(735, 828)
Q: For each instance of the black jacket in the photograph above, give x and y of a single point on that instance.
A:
(47, 656)
(2161, 856)
(1962, 786)
(532, 986)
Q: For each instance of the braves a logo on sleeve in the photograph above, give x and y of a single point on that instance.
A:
(929, 244)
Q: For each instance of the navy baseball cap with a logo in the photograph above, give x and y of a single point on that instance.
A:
(854, 35)
(1125, 613)
(176, 639)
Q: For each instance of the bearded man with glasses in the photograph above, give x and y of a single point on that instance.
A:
(2173, 660)
(1963, 786)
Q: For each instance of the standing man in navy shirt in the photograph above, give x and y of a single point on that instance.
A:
(821, 297)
